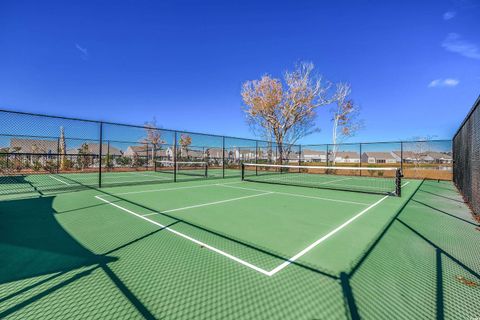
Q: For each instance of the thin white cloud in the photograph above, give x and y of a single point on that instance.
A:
(455, 43)
(447, 82)
(449, 15)
(83, 51)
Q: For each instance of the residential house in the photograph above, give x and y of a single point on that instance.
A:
(36, 146)
(244, 154)
(440, 157)
(310, 155)
(424, 157)
(345, 157)
(94, 149)
(378, 157)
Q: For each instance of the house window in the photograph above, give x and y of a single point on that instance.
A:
(381, 161)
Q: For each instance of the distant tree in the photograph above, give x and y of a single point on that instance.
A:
(84, 160)
(63, 150)
(124, 161)
(345, 118)
(136, 161)
(35, 157)
(420, 146)
(185, 142)
(287, 113)
(154, 137)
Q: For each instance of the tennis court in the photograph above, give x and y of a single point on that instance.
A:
(168, 249)
(115, 228)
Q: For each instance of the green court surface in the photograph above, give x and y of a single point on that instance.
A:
(230, 249)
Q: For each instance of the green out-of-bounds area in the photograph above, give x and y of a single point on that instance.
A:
(227, 249)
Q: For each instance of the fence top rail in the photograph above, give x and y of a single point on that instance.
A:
(374, 142)
(124, 124)
(469, 114)
(175, 132)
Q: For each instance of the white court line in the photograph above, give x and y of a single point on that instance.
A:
(243, 262)
(206, 204)
(149, 175)
(216, 202)
(333, 181)
(113, 182)
(55, 178)
(177, 188)
(223, 253)
(325, 237)
(300, 195)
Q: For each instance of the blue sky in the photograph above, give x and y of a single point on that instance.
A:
(414, 66)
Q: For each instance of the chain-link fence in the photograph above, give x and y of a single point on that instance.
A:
(466, 154)
(40, 153)
(426, 159)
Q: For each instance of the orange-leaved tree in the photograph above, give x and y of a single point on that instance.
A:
(285, 112)
(185, 142)
(154, 137)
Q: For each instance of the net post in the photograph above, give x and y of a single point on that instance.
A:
(100, 156)
(398, 182)
(206, 169)
(243, 171)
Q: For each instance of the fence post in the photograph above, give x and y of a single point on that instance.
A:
(256, 156)
(360, 158)
(223, 157)
(175, 157)
(100, 157)
(299, 157)
(58, 154)
(109, 159)
(401, 155)
(327, 157)
(147, 158)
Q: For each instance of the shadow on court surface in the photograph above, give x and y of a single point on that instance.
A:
(424, 264)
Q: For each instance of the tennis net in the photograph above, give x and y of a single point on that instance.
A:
(189, 168)
(360, 179)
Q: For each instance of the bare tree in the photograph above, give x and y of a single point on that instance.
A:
(419, 147)
(285, 113)
(154, 137)
(345, 118)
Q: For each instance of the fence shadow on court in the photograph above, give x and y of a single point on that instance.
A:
(412, 268)
(417, 269)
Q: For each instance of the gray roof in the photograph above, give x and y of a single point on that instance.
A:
(379, 155)
(94, 148)
(311, 152)
(347, 154)
(34, 145)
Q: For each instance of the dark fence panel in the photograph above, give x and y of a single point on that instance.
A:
(39, 153)
(426, 159)
(466, 154)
